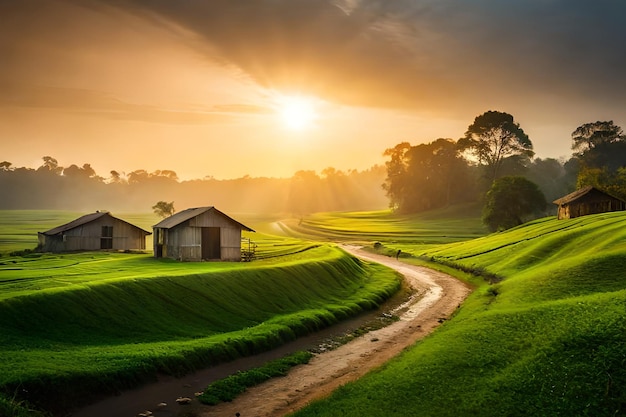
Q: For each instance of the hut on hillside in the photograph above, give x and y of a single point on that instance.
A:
(587, 200)
(197, 234)
(95, 231)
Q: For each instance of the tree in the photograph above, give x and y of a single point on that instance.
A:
(51, 165)
(594, 135)
(86, 171)
(600, 148)
(165, 173)
(554, 178)
(509, 201)
(427, 176)
(164, 209)
(493, 137)
(396, 182)
(116, 177)
(138, 176)
(437, 174)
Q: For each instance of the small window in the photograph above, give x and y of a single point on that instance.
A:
(106, 239)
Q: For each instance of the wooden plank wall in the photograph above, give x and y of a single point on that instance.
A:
(87, 237)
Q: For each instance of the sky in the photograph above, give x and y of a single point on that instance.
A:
(226, 88)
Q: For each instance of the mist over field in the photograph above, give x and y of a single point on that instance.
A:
(81, 189)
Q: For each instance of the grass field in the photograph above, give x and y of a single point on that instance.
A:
(546, 338)
(83, 324)
(458, 223)
(549, 339)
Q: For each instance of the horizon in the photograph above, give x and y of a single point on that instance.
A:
(214, 89)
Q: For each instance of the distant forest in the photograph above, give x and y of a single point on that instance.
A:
(80, 188)
(414, 178)
(444, 172)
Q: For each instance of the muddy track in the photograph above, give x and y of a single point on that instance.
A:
(439, 295)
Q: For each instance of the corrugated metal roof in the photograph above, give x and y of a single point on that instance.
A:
(183, 216)
(87, 218)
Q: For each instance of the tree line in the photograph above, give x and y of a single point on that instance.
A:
(80, 188)
(486, 165)
(427, 176)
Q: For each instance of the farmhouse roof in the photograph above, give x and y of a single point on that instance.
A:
(580, 193)
(87, 218)
(183, 216)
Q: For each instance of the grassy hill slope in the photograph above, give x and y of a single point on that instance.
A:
(98, 323)
(452, 224)
(548, 339)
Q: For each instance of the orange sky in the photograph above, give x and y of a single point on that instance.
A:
(196, 87)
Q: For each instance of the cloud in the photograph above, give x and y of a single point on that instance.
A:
(98, 104)
(436, 53)
(447, 57)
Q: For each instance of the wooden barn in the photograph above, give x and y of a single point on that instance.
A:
(587, 200)
(95, 231)
(197, 234)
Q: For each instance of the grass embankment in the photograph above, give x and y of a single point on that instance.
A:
(80, 325)
(549, 339)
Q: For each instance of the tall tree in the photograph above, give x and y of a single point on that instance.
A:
(493, 137)
(396, 183)
(600, 145)
(427, 176)
(600, 148)
(435, 172)
(593, 135)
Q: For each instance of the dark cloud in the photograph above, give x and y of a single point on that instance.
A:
(441, 56)
(412, 53)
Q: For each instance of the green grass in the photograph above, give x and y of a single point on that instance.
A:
(91, 336)
(406, 232)
(227, 389)
(548, 340)
(79, 325)
(36, 272)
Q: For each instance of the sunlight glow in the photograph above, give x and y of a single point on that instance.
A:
(297, 112)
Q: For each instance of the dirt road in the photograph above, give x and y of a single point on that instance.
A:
(438, 295)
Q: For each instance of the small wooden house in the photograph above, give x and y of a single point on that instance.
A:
(587, 200)
(197, 234)
(95, 231)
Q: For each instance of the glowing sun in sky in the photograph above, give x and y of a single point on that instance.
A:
(297, 112)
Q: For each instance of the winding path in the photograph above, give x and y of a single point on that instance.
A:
(438, 296)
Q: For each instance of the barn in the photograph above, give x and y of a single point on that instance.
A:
(587, 200)
(95, 231)
(197, 234)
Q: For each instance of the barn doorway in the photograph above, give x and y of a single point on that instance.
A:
(211, 247)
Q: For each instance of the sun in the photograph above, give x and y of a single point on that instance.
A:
(297, 112)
